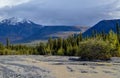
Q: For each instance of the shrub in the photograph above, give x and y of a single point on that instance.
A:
(95, 50)
(60, 51)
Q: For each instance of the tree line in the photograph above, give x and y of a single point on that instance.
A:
(101, 46)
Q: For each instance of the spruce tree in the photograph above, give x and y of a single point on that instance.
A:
(41, 49)
(7, 43)
(103, 35)
(118, 32)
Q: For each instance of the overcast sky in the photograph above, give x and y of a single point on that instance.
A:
(61, 12)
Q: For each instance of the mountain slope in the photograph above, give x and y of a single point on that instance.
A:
(54, 32)
(105, 25)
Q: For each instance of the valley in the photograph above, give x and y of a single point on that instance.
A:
(59, 39)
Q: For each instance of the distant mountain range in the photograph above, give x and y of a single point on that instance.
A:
(104, 25)
(22, 30)
(54, 31)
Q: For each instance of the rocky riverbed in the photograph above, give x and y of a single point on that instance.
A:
(56, 67)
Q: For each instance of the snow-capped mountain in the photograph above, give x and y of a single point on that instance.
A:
(22, 30)
(15, 21)
(17, 29)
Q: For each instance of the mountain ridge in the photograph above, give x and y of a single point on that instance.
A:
(25, 30)
(104, 25)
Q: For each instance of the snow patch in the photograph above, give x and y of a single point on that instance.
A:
(15, 21)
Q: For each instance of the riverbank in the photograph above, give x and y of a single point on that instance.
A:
(56, 67)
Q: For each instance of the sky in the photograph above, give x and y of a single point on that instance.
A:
(61, 12)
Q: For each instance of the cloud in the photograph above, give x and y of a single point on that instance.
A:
(57, 12)
(4, 3)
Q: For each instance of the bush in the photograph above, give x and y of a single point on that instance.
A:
(95, 50)
(116, 52)
(60, 51)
